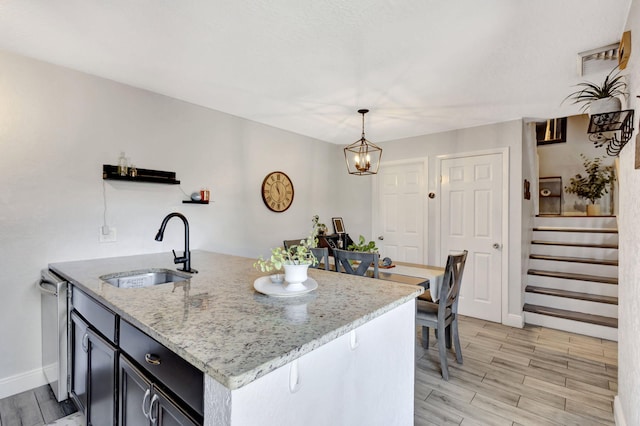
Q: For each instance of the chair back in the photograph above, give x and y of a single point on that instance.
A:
(322, 255)
(290, 243)
(450, 290)
(343, 258)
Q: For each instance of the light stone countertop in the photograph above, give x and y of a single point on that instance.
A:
(221, 325)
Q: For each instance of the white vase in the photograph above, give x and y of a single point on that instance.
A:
(295, 275)
(603, 105)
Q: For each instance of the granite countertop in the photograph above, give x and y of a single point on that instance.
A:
(221, 325)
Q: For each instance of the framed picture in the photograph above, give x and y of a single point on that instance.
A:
(338, 225)
(551, 131)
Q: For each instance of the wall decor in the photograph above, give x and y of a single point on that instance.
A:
(624, 50)
(277, 191)
(338, 225)
(553, 130)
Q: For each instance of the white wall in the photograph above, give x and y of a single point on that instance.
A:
(627, 404)
(563, 159)
(500, 135)
(57, 128)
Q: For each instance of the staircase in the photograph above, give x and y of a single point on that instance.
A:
(572, 282)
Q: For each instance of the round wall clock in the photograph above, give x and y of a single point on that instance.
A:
(277, 191)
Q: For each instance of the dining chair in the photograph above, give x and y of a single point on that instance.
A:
(290, 243)
(444, 313)
(344, 258)
(322, 256)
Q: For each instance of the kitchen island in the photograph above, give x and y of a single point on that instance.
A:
(342, 354)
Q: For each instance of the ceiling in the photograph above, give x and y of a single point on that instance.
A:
(420, 66)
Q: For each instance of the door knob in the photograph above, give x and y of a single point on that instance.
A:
(497, 246)
(381, 237)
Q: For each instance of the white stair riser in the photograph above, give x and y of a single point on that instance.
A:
(574, 267)
(568, 251)
(587, 329)
(576, 222)
(576, 305)
(573, 285)
(576, 237)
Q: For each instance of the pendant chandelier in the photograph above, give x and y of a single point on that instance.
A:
(362, 157)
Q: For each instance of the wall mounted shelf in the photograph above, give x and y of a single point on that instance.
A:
(194, 202)
(143, 175)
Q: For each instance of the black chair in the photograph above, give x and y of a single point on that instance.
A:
(322, 255)
(444, 313)
(344, 257)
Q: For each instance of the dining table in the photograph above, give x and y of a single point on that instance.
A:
(430, 277)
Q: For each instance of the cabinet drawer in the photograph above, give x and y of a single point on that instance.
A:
(173, 372)
(100, 318)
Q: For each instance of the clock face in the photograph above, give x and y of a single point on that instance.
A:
(277, 191)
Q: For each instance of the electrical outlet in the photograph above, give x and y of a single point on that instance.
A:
(109, 237)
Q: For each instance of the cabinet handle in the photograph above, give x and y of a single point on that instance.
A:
(146, 395)
(153, 401)
(152, 359)
(294, 377)
(85, 342)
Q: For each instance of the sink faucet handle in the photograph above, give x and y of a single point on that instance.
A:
(177, 259)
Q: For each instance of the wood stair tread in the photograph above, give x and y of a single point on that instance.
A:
(572, 276)
(572, 294)
(589, 245)
(583, 230)
(574, 259)
(571, 315)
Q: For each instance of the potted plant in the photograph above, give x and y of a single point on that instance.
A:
(600, 98)
(322, 228)
(592, 186)
(363, 246)
(295, 261)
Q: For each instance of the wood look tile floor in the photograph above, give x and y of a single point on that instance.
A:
(35, 407)
(511, 376)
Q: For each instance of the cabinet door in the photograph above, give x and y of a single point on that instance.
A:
(167, 412)
(135, 395)
(79, 362)
(102, 381)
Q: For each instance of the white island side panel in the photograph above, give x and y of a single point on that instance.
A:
(363, 377)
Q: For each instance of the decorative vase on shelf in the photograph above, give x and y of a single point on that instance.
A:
(295, 276)
(603, 105)
(593, 209)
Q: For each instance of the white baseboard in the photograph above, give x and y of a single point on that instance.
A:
(513, 320)
(21, 382)
(618, 414)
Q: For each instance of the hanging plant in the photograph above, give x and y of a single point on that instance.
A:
(613, 86)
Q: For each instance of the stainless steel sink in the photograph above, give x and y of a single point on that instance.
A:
(144, 278)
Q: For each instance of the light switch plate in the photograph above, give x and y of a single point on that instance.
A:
(109, 237)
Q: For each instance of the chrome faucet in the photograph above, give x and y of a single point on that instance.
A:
(186, 259)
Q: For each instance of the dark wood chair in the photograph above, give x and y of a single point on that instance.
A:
(322, 255)
(444, 313)
(343, 260)
(290, 243)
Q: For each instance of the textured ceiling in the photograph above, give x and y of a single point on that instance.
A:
(420, 66)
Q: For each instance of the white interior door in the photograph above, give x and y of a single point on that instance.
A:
(471, 218)
(399, 213)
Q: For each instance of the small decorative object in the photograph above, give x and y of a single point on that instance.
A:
(277, 191)
(322, 228)
(196, 196)
(299, 256)
(592, 186)
(386, 261)
(624, 50)
(338, 225)
(122, 165)
(362, 157)
(601, 98)
(612, 130)
(133, 172)
(545, 192)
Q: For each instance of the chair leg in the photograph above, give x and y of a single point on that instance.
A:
(456, 340)
(443, 353)
(425, 337)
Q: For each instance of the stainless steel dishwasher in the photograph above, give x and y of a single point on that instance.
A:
(54, 317)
